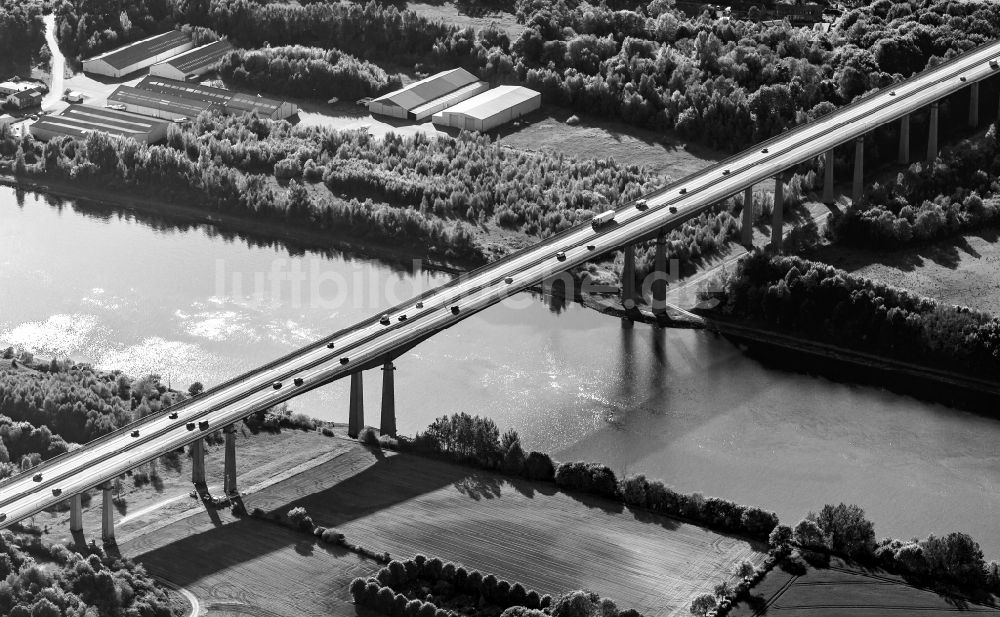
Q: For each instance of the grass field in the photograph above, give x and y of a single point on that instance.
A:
(548, 540)
(843, 590)
(962, 270)
(451, 13)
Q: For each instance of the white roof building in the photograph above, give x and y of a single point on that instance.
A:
(139, 55)
(490, 109)
(421, 99)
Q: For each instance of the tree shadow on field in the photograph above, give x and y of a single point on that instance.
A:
(478, 486)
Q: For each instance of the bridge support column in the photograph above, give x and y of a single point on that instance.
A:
(857, 188)
(828, 177)
(904, 140)
(628, 277)
(932, 134)
(107, 514)
(356, 419)
(660, 273)
(229, 475)
(747, 231)
(76, 513)
(198, 461)
(388, 424)
(974, 104)
(777, 213)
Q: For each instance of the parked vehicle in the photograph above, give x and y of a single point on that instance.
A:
(73, 97)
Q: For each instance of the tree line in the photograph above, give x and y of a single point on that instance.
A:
(306, 72)
(22, 34)
(827, 304)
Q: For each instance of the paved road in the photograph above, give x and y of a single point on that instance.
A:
(367, 344)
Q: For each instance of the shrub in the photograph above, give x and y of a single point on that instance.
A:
(702, 604)
(633, 491)
(399, 603)
(475, 584)
(538, 466)
(397, 573)
(848, 529)
(384, 600)
(780, 537)
(357, 589)
(576, 604)
(327, 431)
(427, 609)
(369, 437)
(448, 572)
(461, 577)
(532, 600)
(301, 520)
(518, 595)
(435, 567)
(413, 608)
(757, 522)
(513, 460)
(522, 611)
(502, 593)
(573, 120)
(546, 601)
(807, 534)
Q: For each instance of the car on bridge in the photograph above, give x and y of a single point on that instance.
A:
(299, 381)
(384, 320)
(276, 385)
(37, 477)
(641, 204)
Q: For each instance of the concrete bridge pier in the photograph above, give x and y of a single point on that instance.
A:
(747, 230)
(777, 213)
(229, 475)
(904, 140)
(828, 177)
(660, 273)
(198, 461)
(356, 419)
(107, 514)
(628, 276)
(76, 513)
(857, 190)
(932, 134)
(974, 104)
(388, 423)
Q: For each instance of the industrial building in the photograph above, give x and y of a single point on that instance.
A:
(158, 104)
(79, 120)
(422, 99)
(193, 63)
(490, 109)
(139, 55)
(21, 94)
(230, 102)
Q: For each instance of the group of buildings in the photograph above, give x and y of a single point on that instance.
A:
(458, 99)
(21, 94)
(167, 94)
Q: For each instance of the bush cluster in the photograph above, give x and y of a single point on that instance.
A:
(306, 72)
(474, 440)
(38, 579)
(956, 192)
(273, 419)
(830, 305)
(396, 590)
(655, 496)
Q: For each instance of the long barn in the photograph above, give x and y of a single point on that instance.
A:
(139, 55)
(422, 99)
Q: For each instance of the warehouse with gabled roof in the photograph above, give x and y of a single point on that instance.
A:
(79, 120)
(159, 105)
(139, 55)
(490, 109)
(192, 63)
(421, 99)
(230, 102)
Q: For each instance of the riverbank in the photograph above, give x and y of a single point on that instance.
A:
(296, 238)
(843, 364)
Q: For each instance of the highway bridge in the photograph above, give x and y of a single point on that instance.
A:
(370, 343)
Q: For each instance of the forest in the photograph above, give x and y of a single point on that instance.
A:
(827, 304)
(306, 72)
(725, 83)
(51, 580)
(21, 35)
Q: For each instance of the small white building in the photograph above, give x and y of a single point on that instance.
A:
(490, 109)
(193, 63)
(421, 99)
(139, 55)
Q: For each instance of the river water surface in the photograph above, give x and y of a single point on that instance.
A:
(157, 296)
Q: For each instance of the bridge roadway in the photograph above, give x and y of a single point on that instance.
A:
(368, 344)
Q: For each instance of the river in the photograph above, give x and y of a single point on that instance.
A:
(158, 295)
